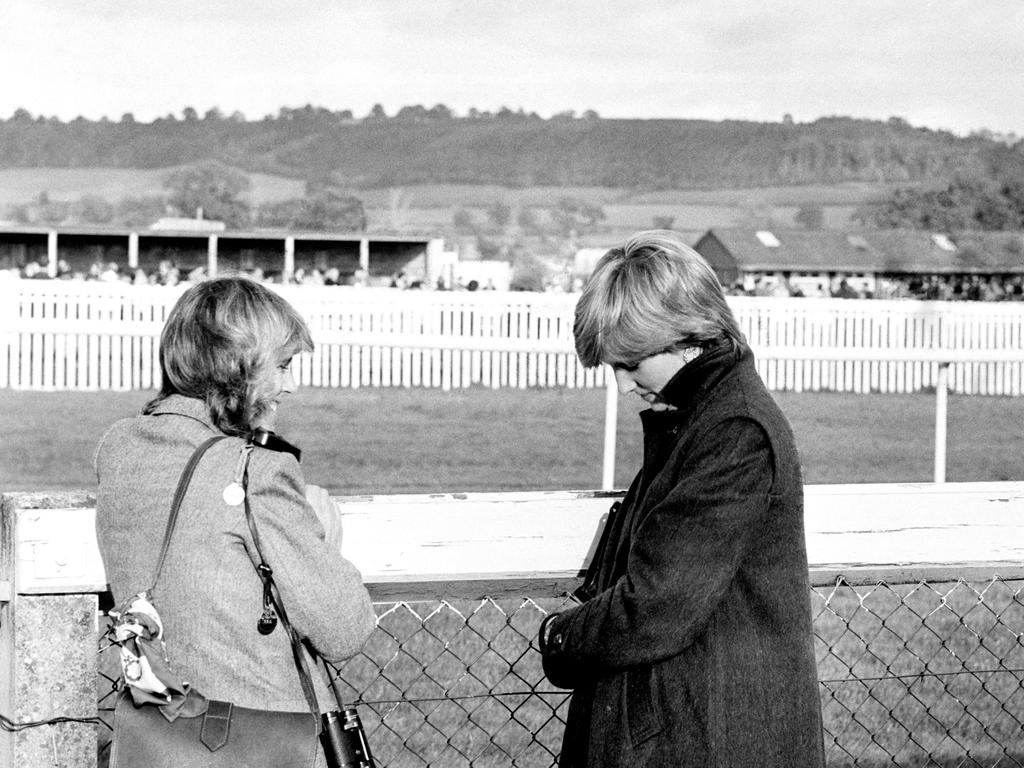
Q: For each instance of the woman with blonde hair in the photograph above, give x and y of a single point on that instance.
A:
(225, 355)
(692, 644)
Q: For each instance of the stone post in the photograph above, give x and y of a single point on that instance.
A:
(48, 640)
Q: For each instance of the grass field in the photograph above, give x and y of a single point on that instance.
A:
(421, 440)
(432, 206)
(19, 185)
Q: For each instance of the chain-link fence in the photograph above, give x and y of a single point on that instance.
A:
(927, 674)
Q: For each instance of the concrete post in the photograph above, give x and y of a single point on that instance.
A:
(48, 654)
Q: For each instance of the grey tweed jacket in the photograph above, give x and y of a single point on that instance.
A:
(209, 595)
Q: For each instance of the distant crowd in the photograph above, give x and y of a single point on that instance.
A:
(955, 288)
(925, 287)
(167, 273)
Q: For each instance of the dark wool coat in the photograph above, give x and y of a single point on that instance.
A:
(693, 646)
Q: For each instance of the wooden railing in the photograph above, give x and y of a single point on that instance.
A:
(916, 587)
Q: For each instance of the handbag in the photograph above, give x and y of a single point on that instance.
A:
(149, 732)
(225, 735)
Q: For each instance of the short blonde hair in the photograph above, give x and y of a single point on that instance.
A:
(221, 343)
(651, 295)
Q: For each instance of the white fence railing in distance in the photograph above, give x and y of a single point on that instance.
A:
(828, 324)
(940, 360)
(58, 335)
(100, 336)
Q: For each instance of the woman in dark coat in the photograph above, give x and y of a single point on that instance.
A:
(693, 645)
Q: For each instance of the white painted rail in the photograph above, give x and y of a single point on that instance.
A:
(916, 598)
(402, 544)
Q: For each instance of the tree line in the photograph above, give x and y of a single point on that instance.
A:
(515, 148)
(963, 203)
(206, 189)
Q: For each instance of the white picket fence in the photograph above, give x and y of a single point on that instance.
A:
(63, 335)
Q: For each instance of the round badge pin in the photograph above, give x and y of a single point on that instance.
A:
(234, 494)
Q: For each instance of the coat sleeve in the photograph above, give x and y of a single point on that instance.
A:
(322, 591)
(683, 554)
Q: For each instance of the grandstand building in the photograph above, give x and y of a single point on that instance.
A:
(273, 253)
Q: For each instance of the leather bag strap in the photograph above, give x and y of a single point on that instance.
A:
(263, 570)
(266, 575)
(179, 495)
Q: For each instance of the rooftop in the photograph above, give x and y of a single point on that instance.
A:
(870, 250)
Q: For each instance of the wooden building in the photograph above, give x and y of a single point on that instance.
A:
(814, 261)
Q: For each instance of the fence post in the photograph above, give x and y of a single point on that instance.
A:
(6, 629)
(48, 654)
(941, 403)
(10, 304)
(611, 420)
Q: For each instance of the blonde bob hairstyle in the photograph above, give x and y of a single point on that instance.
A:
(221, 344)
(653, 294)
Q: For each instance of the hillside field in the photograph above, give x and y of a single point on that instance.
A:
(432, 206)
(425, 440)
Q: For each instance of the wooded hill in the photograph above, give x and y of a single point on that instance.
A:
(516, 149)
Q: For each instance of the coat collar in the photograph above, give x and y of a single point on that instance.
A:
(189, 407)
(693, 381)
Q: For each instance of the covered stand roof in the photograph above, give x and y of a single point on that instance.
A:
(877, 250)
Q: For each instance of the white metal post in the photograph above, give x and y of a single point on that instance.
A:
(133, 250)
(289, 258)
(941, 401)
(364, 254)
(211, 256)
(611, 419)
(51, 253)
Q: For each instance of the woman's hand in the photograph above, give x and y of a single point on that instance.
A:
(327, 512)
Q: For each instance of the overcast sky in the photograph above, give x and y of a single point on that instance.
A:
(951, 64)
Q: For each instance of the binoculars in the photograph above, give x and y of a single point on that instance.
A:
(344, 740)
